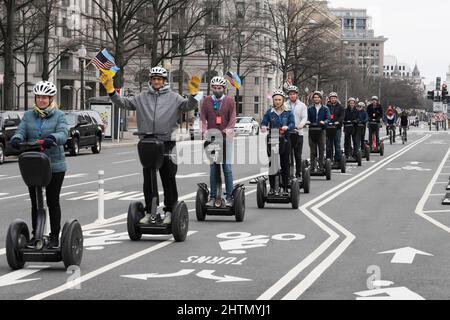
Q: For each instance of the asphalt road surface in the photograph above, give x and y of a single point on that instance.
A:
(379, 231)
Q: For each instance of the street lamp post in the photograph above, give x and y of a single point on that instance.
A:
(18, 92)
(85, 88)
(82, 53)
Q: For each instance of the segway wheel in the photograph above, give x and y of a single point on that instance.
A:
(261, 193)
(180, 222)
(359, 158)
(239, 205)
(295, 194)
(343, 165)
(135, 213)
(328, 169)
(72, 244)
(307, 181)
(367, 153)
(381, 149)
(200, 204)
(16, 239)
(305, 165)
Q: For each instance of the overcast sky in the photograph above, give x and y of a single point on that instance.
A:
(417, 31)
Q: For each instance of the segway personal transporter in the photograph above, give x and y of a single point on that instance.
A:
(314, 131)
(35, 168)
(331, 134)
(352, 156)
(151, 154)
(305, 179)
(262, 196)
(214, 149)
(365, 148)
(374, 148)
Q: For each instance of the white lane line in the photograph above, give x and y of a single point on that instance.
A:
(420, 206)
(104, 269)
(299, 289)
(124, 153)
(437, 211)
(441, 183)
(124, 161)
(444, 174)
(77, 185)
(10, 178)
(436, 195)
(294, 272)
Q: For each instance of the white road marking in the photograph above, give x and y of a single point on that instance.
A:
(147, 276)
(399, 293)
(3, 194)
(436, 211)
(10, 178)
(209, 274)
(15, 277)
(124, 161)
(420, 206)
(405, 255)
(78, 175)
(328, 196)
(124, 153)
(104, 269)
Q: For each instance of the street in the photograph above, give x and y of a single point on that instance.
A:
(377, 232)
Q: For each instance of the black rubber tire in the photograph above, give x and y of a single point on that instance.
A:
(135, 213)
(295, 194)
(200, 205)
(367, 153)
(2, 154)
(239, 205)
(359, 158)
(305, 165)
(382, 149)
(261, 194)
(17, 238)
(307, 181)
(180, 221)
(75, 150)
(98, 145)
(328, 169)
(72, 244)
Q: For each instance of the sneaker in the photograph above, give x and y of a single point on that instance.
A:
(168, 218)
(54, 242)
(271, 191)
(146, 219)
(229, 202)
(285, 193)
(211, 202)
(32, 241)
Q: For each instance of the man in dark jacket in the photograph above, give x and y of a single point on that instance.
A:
(318, 114)
(337, 113)
(351, 115)
(375, 113)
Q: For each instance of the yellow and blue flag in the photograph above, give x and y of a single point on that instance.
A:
(234, 79)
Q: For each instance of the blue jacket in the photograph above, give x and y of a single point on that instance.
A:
(390, 121)
(274, 121)
(324, 115)
(363, 116)
(33, 128)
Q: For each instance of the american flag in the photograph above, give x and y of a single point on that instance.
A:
(105, 62)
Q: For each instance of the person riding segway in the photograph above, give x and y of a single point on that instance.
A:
(375, 113)
(281, 122)
(362, 143)
(334, 133)
(352, 150)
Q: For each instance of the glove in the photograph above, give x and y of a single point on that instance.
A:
(15, 143)
(285, 128)
(108, 83)
(49, 142)
(194, 85)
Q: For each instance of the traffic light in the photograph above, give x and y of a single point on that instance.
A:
(445, 96)
(430, 95)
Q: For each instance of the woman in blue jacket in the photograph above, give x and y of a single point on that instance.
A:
(46, 122)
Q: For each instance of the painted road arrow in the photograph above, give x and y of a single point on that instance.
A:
(405, 255)
(15, 277)
(147, 276)
(208, 274)
(399, 293)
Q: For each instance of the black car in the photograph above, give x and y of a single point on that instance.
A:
(84, 132)
(9, 121)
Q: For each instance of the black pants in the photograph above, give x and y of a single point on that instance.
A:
(167, 172)
(284, 160)
(313, 146)
(52, 192)
(297, 149)
(352, 143)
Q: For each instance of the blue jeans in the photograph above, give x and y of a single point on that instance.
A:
(228, 180)
(227, 171)
(336, 143)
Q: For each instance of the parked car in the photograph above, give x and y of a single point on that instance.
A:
(95, 116)
(246, 125)
(84, 132)
(9, 121)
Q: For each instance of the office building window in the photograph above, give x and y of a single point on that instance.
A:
(240, 104)
(256, 81)
(256, 106)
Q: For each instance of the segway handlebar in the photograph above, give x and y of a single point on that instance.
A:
(149, 134)
(37, 145)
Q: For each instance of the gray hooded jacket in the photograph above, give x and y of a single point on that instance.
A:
(157, 111)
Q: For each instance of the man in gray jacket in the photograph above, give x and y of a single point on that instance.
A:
(157, 111)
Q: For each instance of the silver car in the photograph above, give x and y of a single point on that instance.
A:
(246, 125)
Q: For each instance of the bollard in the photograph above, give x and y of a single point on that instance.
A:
(101, 198)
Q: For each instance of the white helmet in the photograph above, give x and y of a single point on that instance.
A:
(352, 99)
(375, 98)
(159, 72)
(333, 94)
(361, 104)
(292, 88)
(45, 88)
(278, 93)
(218, 81)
